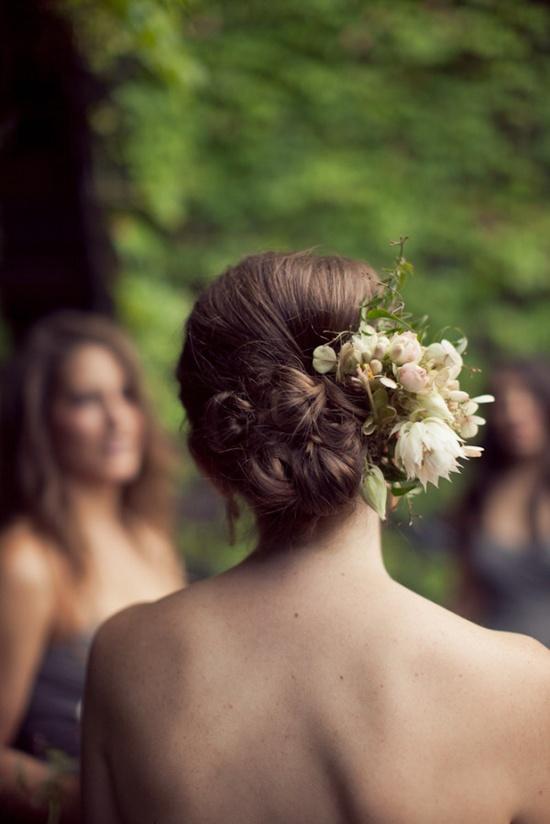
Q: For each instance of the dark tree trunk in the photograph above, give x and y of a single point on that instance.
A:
(54, 251)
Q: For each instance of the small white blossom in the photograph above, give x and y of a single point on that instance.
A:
(467, 421)
(470, 426)
(433, 404)
(444, 356)
(364, 347)
(381, 346)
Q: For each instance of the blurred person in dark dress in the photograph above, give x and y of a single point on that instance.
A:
(501, 527)
(86, 531)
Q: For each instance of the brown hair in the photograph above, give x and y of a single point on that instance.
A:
(31, 481)
(262, 423)
(466, 516)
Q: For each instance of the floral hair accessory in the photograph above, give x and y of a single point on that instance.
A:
(419, 416)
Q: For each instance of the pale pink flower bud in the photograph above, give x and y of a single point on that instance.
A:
(458, 395)
(405, 348)
(413, 377)
(472, 451)
(381, 346)
(376, 367)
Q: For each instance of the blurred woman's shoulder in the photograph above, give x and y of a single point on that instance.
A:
(25, 552)
(158, 547)
(26, 574)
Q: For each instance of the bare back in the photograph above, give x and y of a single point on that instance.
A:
(300, 698)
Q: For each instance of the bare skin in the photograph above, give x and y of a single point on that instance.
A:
(307, 686)
(505, 518)
(41, 600)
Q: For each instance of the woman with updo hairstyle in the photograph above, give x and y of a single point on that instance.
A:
(304, 684)
(85, 517)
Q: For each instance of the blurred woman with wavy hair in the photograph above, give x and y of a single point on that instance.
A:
(85, 513)
(501, 526)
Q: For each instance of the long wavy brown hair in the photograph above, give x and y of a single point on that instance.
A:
(32, 482)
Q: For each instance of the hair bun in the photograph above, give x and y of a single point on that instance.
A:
(285, 438)
(296, 403)
(308, 457)
(228, 417)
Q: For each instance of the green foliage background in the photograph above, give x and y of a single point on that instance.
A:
(234, 127)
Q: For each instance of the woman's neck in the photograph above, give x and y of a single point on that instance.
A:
(352, 544)
(95, 502)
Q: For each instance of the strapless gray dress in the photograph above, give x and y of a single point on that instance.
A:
(518, 585)
(516, 580)
(52, 716)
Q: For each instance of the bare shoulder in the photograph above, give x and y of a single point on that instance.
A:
(144, 638)
(513, 674)
(25, 559)
(527, 714)
(510, 667)
(527, 675)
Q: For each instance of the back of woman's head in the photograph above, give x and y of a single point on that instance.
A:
(32, 480)
(263, 424)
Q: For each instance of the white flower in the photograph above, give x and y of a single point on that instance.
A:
(324, 359)
(444, 356)
(469, 426)
(467, 421)
(427, 450)
(458, 396)
(381, 346)
(364, 347)
(404, 348)
(413, 377)
(434, 404)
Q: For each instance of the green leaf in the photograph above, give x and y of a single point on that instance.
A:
(372, 314)
(404, 488)
(375, 490)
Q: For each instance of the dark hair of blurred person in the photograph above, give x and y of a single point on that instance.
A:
(85, 502)
(502, 522)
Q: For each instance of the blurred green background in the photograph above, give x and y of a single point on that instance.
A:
(228, 128)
